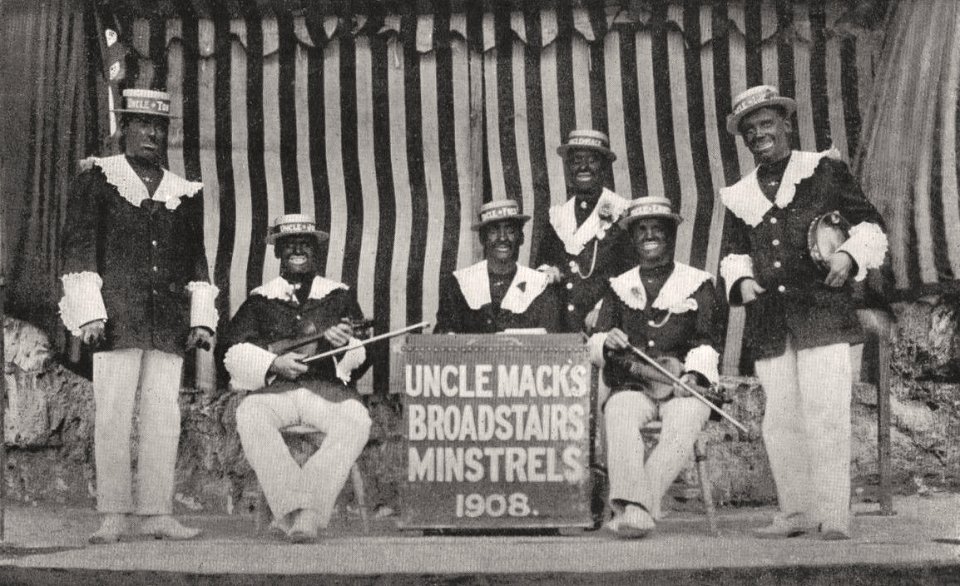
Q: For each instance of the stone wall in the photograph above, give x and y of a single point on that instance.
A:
(49, 428)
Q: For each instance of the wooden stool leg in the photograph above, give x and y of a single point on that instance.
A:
(262, 516)
(706, 493)
(361, 496)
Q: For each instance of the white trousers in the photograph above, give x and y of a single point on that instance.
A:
(287, 486)
(806, 431)
(630, 478)
(120, 378)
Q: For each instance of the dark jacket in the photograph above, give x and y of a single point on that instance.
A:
(668, 311)
(455, 314)
(773, 242)
(613, 253)
(270, 315)
(144, 253)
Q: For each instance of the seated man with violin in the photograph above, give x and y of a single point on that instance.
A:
(498, 293)
(672, 313)
(268, 345)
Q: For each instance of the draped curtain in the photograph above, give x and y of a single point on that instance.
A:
(908, 164)
(44, 107)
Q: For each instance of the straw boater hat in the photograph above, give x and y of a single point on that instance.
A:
(145, 102)
(760, 96)
(495, 211)
(295, 225)
(649, 207)
(588, 139)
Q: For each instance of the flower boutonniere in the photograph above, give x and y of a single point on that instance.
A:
(689, 304)
(608, 215)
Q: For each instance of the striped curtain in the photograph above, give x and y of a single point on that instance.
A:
(393, 130)
(909, 160)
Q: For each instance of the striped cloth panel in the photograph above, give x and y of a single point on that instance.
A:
(393, 133)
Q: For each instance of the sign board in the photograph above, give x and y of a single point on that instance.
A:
(497, 431)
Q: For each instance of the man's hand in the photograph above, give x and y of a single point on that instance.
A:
(289, 366)
(750, 289)
(553, 273)
(841, 263)
(339, 334)
(200, 338)
(93, 333)
(616, 340)
(679, 391)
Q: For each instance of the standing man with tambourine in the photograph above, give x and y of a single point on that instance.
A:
(800, 313)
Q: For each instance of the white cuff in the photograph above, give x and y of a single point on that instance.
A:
(705, 360)
(734, 267)
(595, 348)
(248, 365)
(351, 360)
(867, 245)
(203, 310)
(81, 302)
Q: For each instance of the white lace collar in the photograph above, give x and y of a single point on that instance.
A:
(563, 218)
(280, 288)
(747, 201)
(120, 174)
(673, 297)
(526, 286)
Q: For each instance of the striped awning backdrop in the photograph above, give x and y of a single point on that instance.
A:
(393, 130)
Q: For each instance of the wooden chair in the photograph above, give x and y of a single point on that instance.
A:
(315, 437)
(652, 431)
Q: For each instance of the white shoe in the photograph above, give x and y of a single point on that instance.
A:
(784, 526)
(634, 522)
(166, 527)
(304, 529)
(111, 528)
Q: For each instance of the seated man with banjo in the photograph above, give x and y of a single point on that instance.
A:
(674, 312)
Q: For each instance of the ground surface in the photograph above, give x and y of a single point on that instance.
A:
(45, 545)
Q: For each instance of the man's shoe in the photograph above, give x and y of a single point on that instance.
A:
(111, 528)
(828, 533)
(633, 523)
(166, 527)
(304, 529)
(834, 535)
(784, 526)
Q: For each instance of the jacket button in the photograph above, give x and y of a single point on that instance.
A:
(489, 321)
(569, 285)
(773, 220)
(775, 242)
(651, 343)
(299, 317)
(154, 243)
(777, 264)
(155, 292)
(155, 269)
(650, 322)
(781, 288)
(570, 307)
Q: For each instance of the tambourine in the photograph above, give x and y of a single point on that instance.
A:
(825, 235)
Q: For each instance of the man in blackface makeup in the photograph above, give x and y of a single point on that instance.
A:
(285, 391)
(497, 293)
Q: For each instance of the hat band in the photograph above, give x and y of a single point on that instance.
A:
(650, 209)
(499, 213)
(148, 105)
(298, 227)
(587, 142)
(753, 101)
